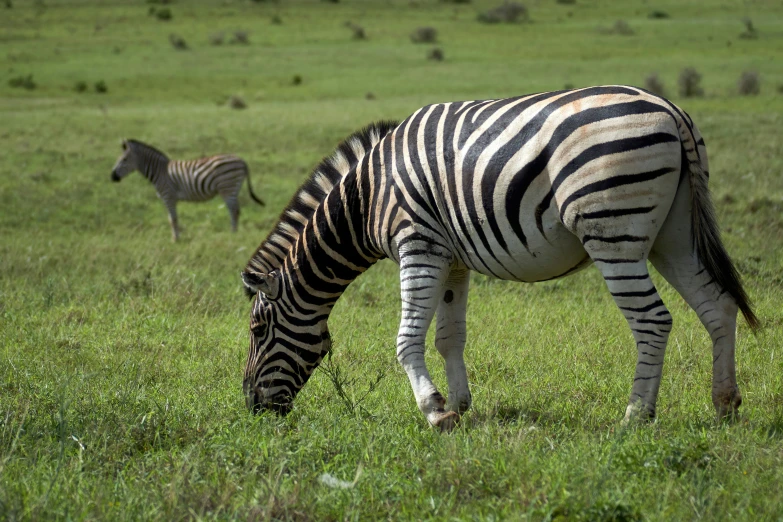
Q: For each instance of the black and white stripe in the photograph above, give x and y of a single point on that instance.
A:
(525, 189)
(194, 180)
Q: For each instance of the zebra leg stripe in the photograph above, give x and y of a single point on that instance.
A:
(422, 278)
(171, 206)
(450, 337)
(650, 322)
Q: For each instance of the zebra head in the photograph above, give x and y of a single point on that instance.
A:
(126, 164)
(286, 344)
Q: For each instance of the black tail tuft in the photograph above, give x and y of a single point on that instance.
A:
(709, 246)
(250, 189)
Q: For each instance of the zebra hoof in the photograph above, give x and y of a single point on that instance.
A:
(446, 421)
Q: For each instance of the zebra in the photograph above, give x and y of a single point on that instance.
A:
(195, 180)
(527, 189)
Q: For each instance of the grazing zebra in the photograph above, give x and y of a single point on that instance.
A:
(195, 180)
(526, 189)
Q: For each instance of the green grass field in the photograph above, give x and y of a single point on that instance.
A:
(121, 353)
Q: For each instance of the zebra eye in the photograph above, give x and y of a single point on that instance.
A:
(259, 330)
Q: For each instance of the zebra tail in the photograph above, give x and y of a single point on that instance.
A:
(706, 236)
(250, 189)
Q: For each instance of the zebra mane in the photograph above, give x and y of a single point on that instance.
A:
(144, 146)
(271, 253)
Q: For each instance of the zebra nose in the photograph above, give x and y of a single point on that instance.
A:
(115, 176)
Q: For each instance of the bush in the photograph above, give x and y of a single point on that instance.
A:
(620, 27)
(177, 42)
(235, 102)
(658, 15)
(101, 87)
(455, 1)
(424, 35)
(358, 31)
(164, 14)
(240, 37)
(690, 83)
(80, 87)
(369, 96)
(276, 20)
(750, 31)
(160, 2)
(749, 83)
(566, 2)
(654, 84)
(23, 82)
(509, 12)
(436, 54)
(217, 39)
(296, 80)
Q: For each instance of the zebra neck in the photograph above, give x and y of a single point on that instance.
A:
(333, 249)
(152, 163)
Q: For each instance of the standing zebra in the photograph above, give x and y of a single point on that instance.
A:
(526, 189)
(195, 180)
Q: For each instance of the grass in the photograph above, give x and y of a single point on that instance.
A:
(121, 354)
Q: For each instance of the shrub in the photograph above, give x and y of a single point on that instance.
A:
(240, 37)
(654, 84)
(80, 86)
(749, 83)
(358, 31)
(296, 80)
(369, 96)
(159, 2)
(101, 87)
(690, 83)
(23, 82)
(235, 102)
(217, 39)
(276, 20)
(436, 54)
(750, 31)
(509, 12)
(658, 15)
(8, 4)
(455, 1)
(621, 27)
(424, 35)
(164, 14)
(566, 2)
(177, 42)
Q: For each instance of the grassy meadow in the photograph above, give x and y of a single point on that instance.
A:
(121, 353)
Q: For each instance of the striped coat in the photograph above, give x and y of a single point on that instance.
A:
(526, 189)
(195, 180)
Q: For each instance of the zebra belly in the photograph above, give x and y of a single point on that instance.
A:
(555, 254)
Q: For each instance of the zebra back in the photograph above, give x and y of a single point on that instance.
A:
(271, 253)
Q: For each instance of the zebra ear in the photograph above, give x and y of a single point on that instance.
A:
(267, 284)
(124, 144)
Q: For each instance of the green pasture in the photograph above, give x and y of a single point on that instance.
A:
(121, 353)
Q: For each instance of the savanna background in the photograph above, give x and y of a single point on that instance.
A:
(121, 353)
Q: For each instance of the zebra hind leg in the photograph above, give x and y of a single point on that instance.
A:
(450, 337)
(717, 311)
(232, 204)
(422, 278)
(650, 322)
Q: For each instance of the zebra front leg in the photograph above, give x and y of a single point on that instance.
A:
(172, 208)
(421, 286)
(635, 295)
(450, 337)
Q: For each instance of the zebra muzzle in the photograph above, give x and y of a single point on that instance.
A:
(115, 176)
